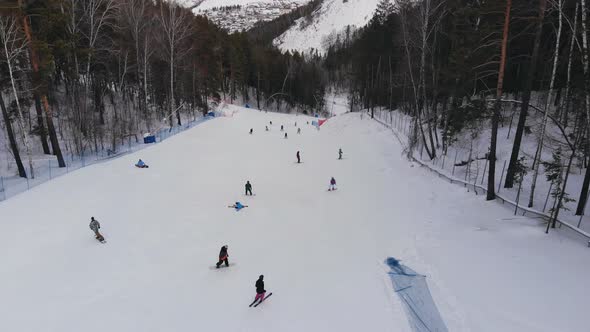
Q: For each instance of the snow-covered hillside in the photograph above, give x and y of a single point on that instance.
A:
(247, 14)
(322, 253)
(208, 4)
(332, 17)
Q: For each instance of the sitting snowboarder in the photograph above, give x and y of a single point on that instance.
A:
(95, 226)
(141, 164)
(238, 206)
(332, 184)
(248, 188)
(223, 257)
(266, 128)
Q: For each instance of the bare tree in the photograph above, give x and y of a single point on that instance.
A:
(98, 14)
(541, 139)
(13, 145)
(133, 18)
(14, 46)
(526, 97)
(175, 29)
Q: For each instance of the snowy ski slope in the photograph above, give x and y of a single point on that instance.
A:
(322, 253)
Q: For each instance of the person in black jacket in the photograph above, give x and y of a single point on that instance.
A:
(223, 257)
(260, 288)
(248, 188)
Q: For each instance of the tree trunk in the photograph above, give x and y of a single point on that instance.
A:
(526, 97)
(44, 102)
(566, 99)
(491, 194)
(40, 125)
(585, 60)
(539, 154)
(13, 146)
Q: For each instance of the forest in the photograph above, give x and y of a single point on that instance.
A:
(82, 76)
(457, 64)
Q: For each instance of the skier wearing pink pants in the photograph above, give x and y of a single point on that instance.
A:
(260, 291)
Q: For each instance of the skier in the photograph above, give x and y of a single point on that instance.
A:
(340, 153)
(260, 291)
(141, 164)
(223, 257)
(298, 130)
(332, 184)
(298, 158)
(95, 226)
(281, 127)
(238, 206)
(248, 188)
(285, 135)
(251, 131)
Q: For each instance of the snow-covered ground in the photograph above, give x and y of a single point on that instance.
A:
(332, 17)
(322, 253)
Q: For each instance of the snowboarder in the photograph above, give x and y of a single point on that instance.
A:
(285, 135)
(95, 226)
(298, 158)
(260, 291)
(281, 127)
(238, 206)
(332, 184)
(340, 153)
(251, 131)
(141, 164)
(248, 188)
(298, 130)
(223, 257)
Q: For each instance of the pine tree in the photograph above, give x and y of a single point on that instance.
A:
(384, 9)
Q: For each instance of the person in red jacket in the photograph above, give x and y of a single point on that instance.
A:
(223, 257)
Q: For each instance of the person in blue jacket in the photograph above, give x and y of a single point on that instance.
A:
(238, 206)
(141, 164)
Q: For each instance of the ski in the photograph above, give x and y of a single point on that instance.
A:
(266, 297)
(251, 304)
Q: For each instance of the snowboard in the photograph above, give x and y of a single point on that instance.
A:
(221, 266)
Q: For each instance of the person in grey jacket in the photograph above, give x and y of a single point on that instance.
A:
(95, 226)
